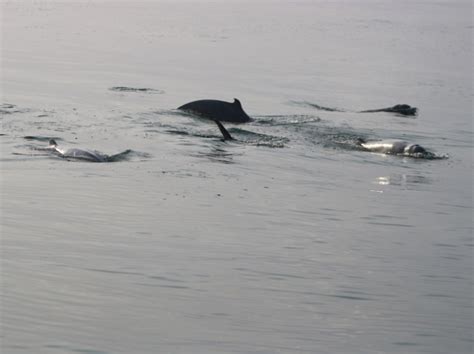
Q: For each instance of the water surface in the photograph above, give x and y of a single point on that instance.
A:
(287, 240)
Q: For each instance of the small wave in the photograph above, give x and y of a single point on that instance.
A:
(292, 119)
(241, 136)
(8, 108)
(429, 156)
(401, 180)
(258, 139)
(340, 138)
(173, 112)
(177, 132)
(217, 155)
(135, 89)
(41, 138)
(317, 106)
(128, 155)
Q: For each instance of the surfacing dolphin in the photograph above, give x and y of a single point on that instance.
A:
(403, 109)
(393, 147)
(218, 110)
(83, 154)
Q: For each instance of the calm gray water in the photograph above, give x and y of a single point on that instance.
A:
(288, 240)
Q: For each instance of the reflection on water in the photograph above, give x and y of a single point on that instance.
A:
(218, 154)
(410, 181)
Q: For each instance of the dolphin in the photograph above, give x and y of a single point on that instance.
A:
(403, 109)
(226, 135)
(389, 147)
(79, 154)
(218, 110)
(393, 147)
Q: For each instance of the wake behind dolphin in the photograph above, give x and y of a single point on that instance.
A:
(218, 110)
(252, 138)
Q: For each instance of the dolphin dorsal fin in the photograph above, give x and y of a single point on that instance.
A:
(53, 142)
(237, 103)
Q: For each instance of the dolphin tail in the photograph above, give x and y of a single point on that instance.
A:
(224, 131)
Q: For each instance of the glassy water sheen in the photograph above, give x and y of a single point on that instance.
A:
(289, 239)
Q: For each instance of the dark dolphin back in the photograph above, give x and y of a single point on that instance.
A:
(218, 110)
(399, 147)
(403, 109)
(416, 149)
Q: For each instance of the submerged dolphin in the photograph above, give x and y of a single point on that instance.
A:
(79, 154)
(218, 110)
(403, 109)
(393, 147)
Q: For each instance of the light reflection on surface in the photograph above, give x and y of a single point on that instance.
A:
(404, 180)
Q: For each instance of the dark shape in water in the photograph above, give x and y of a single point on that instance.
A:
(218, 110)
(322, 108)
(393, 147)
(7, 108)
(40, 138)
(224, 131)
(253, 138)
(85, 155)
(134, 89)
(403, 109)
